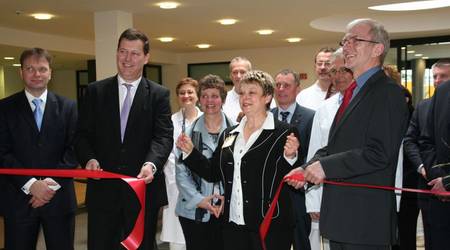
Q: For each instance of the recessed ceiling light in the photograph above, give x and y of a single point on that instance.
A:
(411, 51)
(403, 48)
(416, 5)
(418, 55)
(8, 58)
(227, 21)
(17, 65)
(42, 16)
(168, 5)
(425, 57)
(294, 39)
(166, 39)
(265, 32)
(203, 46)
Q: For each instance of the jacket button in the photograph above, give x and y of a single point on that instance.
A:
(244, 182)
(246, 201)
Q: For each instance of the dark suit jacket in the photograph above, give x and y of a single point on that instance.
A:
(23, 146)
(363, 148)
(148, 138)
(437, 136)
(302, 119)
(262, 169)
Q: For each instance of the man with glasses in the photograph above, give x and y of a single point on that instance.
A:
(363, 147)
(314, 95)
(37, 129)
(341, 78)
(287, 86)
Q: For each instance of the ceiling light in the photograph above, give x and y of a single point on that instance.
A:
(8, 58)
(418, 55)
(411, 51)
(42, 16)
(227, 21)
(265, 32)
(403, 48)
(415, 5)
(17, 65)
(294, 39)
(203, 46)
(425, 57)
(168, 5)
(166, 39)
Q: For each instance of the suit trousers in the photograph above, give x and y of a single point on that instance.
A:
(22, 233)
(202, 235)
(347, 246)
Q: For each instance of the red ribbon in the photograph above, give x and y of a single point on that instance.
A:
(265, 225)
(134, 240)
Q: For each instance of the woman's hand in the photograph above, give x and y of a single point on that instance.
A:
(291, 146)
(184, 143)
(206, 203)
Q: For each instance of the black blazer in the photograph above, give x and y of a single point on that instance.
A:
(23, 146)
(262, 169)
(437, 136)
(302, 119)
(148, 138)
(363, 148)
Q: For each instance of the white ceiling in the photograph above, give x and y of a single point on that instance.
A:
(317, 22)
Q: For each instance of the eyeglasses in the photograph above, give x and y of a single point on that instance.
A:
(340, 70)
(32, 70)
(354, 40)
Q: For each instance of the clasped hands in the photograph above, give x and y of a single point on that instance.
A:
(41, 192)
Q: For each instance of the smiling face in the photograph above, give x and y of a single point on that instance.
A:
(237, 71)
(322, 66)
(340, 76)
(36, 73)
(187, 96)
(131, 59)
(286, 90)
(252, 99)
(360, 51)
(210, 101)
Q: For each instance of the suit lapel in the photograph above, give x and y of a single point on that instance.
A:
(139, 104)
(296, 117)
(51, 111)
(368, 86)
(23, 106)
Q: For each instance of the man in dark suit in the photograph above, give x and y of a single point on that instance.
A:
(413, 149)
(37, 128)
(363, 147)
(287, 86)
(125, 127)
(436, 158)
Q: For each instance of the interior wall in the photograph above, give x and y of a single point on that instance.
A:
(13, 82)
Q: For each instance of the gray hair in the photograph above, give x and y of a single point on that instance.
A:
(337, 54)
(441, 63)
(377, 31)
(240, 59)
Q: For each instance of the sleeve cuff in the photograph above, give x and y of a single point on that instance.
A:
(154, 168)
(291, 161)
(27, 186)
(419, 168)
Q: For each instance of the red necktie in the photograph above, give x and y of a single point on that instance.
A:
(347, 97)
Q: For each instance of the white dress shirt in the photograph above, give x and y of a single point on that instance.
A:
(311, 97)
(123, 90)
(231, 107)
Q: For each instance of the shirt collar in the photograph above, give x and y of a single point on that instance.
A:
(30, 97)
(362, 79)
(268, 124)
(134, 83)
(290, 109)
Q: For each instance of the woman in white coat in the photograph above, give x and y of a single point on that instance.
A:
(186, 91)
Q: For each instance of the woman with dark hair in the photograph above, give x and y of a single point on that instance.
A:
(197, 200)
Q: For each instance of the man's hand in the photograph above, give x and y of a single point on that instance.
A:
(314, 173)
(423, 172)
(315, 216)
(146, 173)
(291, 146)
(296, 184)
(206, 203)
(41, 193)
(184, 143)
(439, 186)
(93, 164)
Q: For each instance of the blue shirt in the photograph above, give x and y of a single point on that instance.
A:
(362, 79)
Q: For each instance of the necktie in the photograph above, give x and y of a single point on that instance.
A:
(37, 112)
(125, 110)
(347, 97)
(284, 116)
